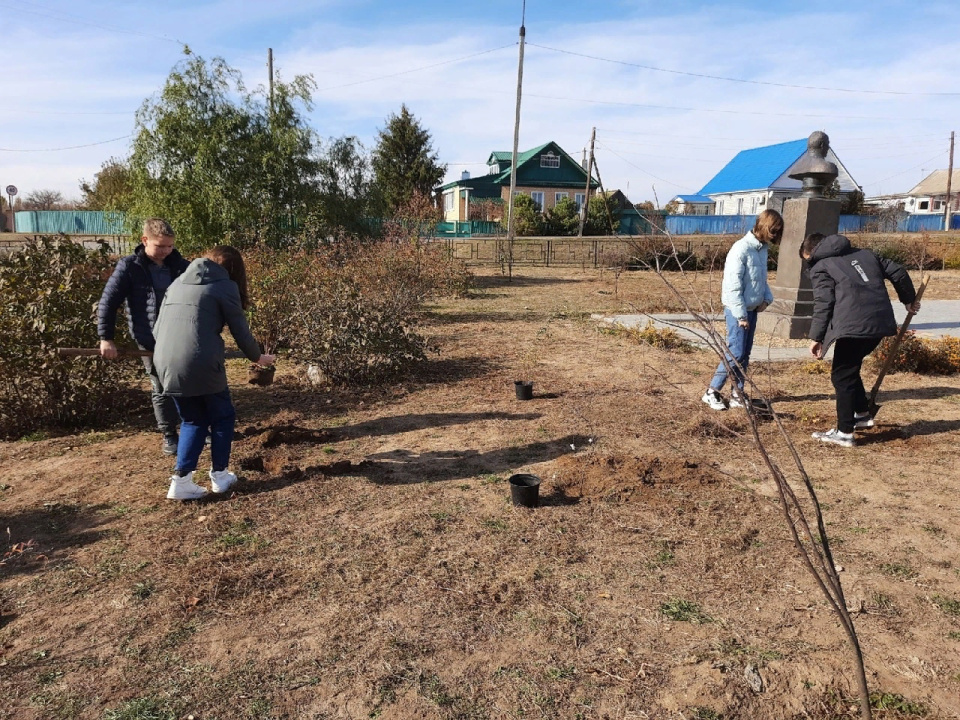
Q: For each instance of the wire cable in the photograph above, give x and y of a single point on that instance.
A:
(66, 17)
(902, 172)
(72, 147)
(743, 80)
(682, 187)
(417, 69)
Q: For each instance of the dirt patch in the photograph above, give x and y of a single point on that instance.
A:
(623, 478)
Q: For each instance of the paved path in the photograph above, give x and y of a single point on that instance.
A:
(935, 319)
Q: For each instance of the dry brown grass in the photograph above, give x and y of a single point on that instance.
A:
(370, 564)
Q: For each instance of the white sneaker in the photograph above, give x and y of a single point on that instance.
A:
(184, 488)
(836, 437)
(737, 400)
(714, 400)
(862, 421)
(221, 480)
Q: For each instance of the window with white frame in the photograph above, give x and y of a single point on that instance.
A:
(739, 206)
(549, 160)
(923, 205)
(558, 197)
(578, 198)
(537, 200)
(448, 201)
(755, 205)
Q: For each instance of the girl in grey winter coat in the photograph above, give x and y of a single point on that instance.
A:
(189, 357)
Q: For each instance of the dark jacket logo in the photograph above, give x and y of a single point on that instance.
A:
(856, 266)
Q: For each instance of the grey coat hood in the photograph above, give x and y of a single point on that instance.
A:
(189, 354)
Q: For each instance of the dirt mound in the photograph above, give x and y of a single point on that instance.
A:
(622, 478)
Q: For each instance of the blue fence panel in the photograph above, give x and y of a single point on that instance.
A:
(70, 222)
(955, 222)
(921, 223)
(709, 224)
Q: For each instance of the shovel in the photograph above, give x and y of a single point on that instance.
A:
(892, 354)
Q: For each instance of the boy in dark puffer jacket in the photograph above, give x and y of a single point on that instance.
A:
(851, 307)
(140, 280)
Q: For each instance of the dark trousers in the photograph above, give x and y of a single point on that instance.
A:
(164, 408)
(848, 355)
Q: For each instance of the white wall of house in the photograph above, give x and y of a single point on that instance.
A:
(694, 208)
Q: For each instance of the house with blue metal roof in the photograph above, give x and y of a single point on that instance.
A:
(693, 204)
(758, 179)
(546, 173)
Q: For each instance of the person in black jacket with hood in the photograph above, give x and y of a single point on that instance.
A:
(140, 280)
(852, 309)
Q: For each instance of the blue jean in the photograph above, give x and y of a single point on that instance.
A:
(740, 344)
(199, 415)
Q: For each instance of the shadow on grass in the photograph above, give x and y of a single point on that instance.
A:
(35, 537)
(502, 281)
(402, 467)
(407, 423)
(920, 393)
(914, 429)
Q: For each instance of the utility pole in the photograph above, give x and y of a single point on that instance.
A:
(516, 141)
(270, 70)
(586, 194)
(947, 212)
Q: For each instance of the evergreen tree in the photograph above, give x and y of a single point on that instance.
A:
(404, 161)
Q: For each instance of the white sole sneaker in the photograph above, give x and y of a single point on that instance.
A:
(863, 422)
(184, 488)
(222, 480)
(835, 437)
(712, 399)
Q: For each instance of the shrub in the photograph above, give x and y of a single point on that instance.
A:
(351, 309)
(661, 338)
(50, 289)
(935, 356)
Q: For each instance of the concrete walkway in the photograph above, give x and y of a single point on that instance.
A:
(936, 318)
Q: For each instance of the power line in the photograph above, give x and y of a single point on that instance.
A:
(683, 187)
(903, 172)
(417, 69)
(66, 17)
(726, 112)
(743, 80)
(72, 147)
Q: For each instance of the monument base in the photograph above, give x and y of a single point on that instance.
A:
(791, 313)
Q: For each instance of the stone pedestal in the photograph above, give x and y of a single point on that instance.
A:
(790, 314)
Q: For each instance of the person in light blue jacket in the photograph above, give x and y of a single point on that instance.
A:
(745, 293)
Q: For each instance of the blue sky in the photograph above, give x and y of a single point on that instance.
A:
(75, 73)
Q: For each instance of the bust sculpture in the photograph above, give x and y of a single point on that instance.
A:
(814, 170)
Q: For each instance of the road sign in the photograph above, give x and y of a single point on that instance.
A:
(11, 189)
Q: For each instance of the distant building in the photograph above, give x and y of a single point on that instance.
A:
(758, 179)
(694, 205)
(929, 196)
(545, 173)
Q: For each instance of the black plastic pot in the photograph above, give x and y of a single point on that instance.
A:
(524, 389)
(261, 375)
(525, 490)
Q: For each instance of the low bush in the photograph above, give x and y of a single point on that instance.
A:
(349, 308)
(50, 289)
(926, 356)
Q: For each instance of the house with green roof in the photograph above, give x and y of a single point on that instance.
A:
(759, 178)
(546, 173)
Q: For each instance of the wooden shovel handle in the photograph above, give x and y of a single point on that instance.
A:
(90, 352)
(895, 345)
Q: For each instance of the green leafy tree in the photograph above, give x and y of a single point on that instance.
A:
(219, 163)
(346, 190)
(601, 211)
(527, 219)
(111, 188)
(404, 161)
(563, 218)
